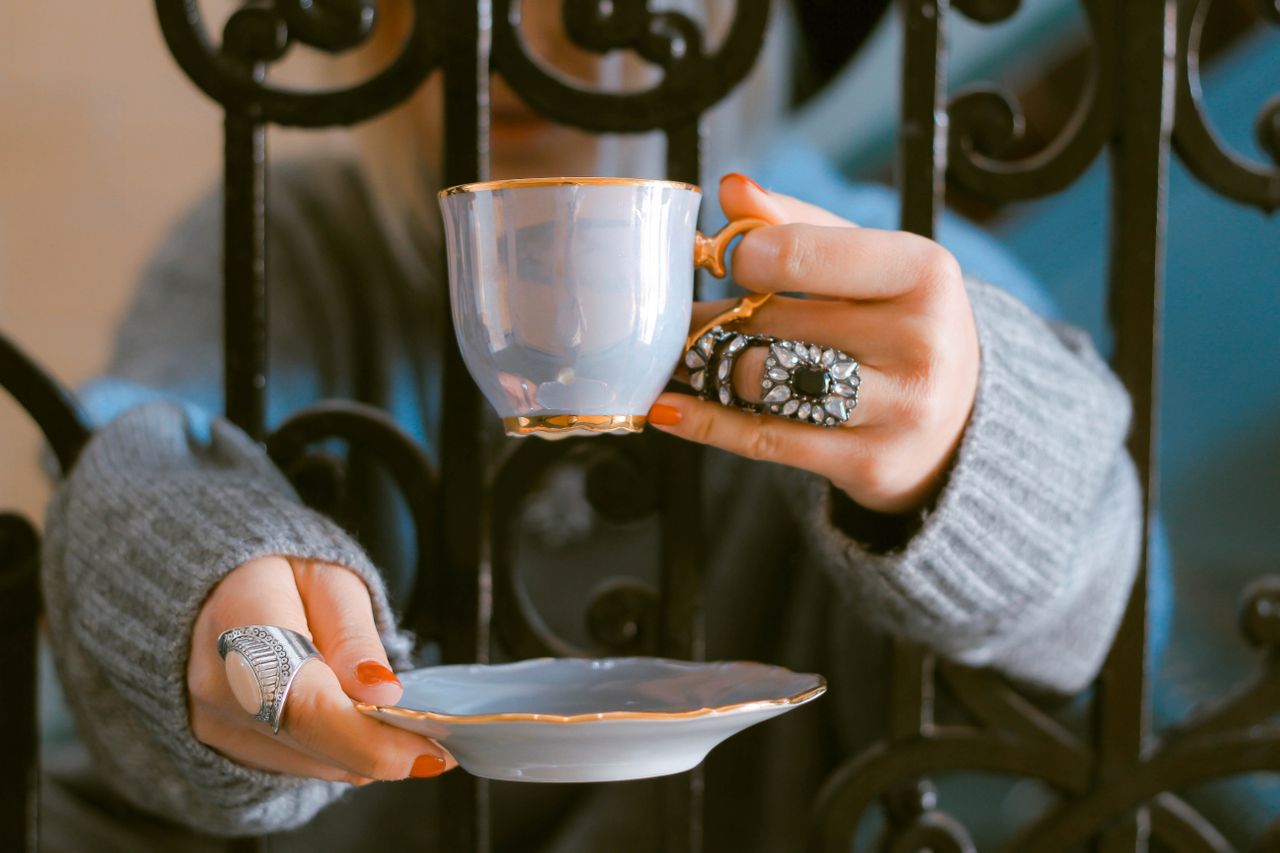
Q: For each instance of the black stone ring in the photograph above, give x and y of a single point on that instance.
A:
(801, 381)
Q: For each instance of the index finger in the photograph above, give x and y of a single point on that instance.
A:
(322, 720)
(811, 250)
(841, 262)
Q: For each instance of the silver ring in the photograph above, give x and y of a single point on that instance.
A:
(273, 656)
(801, 381)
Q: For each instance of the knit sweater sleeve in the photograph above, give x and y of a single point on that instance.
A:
(1026, 559)
(153, 515)
(164, 501)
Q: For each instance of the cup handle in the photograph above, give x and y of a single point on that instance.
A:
(708, 253)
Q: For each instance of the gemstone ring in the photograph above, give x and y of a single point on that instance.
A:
(801, 381)
(261, 662)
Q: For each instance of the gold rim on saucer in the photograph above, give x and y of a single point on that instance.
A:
(533, 424)
(516, 183)
(525, 717)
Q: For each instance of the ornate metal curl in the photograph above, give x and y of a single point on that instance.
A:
(1205, 153)
(692, 80)
(1184, 830)
(374, 432)
(623, 611)
(986, 123)
(1229, 754)
(934, 831)
(55, 410)
(987, 11)
(1016, 738)
(258, 34)
(858, 783)
(1234, 735)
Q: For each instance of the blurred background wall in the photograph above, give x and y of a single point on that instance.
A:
(102, 142)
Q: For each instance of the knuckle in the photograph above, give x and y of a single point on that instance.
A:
(793, 254)
(909, 408)
(925, 387)
(303, 716)
(876, 474)
(353, 641)
(702, 429)
(762, 442)
(929, 337)
(939, 269)
(382, 763)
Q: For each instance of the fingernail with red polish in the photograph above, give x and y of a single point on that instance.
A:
(372, 673)
(662, 415)
(427, 766)
(742, 177)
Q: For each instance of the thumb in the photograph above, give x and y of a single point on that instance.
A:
(340, 615)
(741, 197)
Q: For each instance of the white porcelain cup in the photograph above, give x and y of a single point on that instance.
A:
(571, 296)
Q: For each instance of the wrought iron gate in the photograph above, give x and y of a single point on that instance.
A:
(1141, 102)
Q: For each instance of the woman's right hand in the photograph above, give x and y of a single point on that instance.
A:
(322, 734)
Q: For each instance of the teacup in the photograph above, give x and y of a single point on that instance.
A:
(572, 296)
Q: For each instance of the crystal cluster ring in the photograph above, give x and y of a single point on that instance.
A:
(262, 661)
(801, 381)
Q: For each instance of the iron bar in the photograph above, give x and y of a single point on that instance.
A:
(464, 510)
(1140, 163)
(244, 313)
(682, 627)
(922, 132)
(920, 172)
(19, 724)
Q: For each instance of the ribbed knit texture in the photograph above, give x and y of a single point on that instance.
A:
(1037, 513)
(1023, 564)
(149, 521)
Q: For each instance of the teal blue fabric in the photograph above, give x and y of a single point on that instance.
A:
(1220, 397)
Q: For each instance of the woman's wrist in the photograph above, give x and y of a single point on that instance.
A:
(877, 532)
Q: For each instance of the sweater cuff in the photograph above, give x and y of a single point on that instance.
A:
(150, 520)
(1000, 540)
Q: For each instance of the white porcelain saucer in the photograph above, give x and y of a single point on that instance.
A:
(575, 720)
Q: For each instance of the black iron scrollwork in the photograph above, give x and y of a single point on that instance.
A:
(1230, 737)
(376, 434)
(1012, 737)
(1205, 153)
(986, 123)
(623, 612)
(261, 33)
(54, 408)
(692, 79)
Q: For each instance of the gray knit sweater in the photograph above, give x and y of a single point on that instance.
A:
(1023, 564)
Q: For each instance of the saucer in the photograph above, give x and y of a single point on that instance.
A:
(576, 720)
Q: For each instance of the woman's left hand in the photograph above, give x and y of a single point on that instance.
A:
(894, 301)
